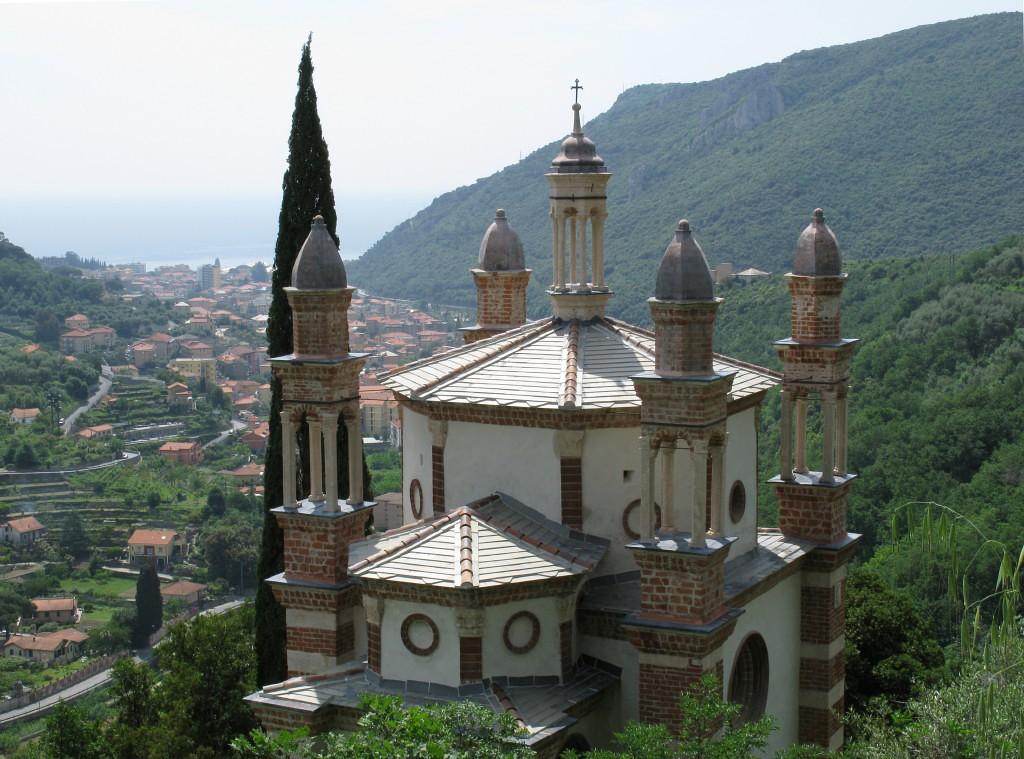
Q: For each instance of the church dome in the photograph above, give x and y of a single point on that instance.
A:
(684, 272)
(501, 248)
(817, 250)
(318, 265)
(579, 153)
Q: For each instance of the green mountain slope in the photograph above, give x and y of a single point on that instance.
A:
(911, 142)
(936, 412)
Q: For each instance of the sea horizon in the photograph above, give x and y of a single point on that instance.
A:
(193, 230)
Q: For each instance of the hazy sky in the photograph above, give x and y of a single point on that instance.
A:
(182, 98)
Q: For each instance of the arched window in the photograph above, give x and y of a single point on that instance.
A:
(748, 685)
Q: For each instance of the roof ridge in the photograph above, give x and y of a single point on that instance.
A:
(748, 365)
(570, 369)
(618, 328)
(466, 548)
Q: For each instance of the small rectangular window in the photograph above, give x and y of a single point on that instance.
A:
(627, 475)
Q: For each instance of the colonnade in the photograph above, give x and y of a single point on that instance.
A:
(569, 228)
(793, 453)
(323, 458)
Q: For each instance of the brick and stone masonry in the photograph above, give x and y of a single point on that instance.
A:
(500, 302)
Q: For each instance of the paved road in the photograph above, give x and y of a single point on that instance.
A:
(236, 425)
(99, 680)
(106, 377)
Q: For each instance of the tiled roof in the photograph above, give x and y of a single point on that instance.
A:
(179, 446)
(551, 364)
(25, 524)
(24, 413)
(54, 604)
(182, 588)
(494, 541)
(152, 537)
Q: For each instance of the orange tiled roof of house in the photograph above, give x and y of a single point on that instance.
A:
(54, 604)
(25, 524)
(30, 348)
(144, 537)
(41, 642)
(176, 445)
(160, 337)
(182, 588)
(254, 469)
(24, 413)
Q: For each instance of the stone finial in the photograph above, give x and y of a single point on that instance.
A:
(817, 250)
(501, 248)
(318, 265)
(684, 274)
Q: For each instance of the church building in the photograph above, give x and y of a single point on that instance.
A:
(581, 536)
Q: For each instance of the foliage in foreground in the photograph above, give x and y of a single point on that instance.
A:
(461, 730)
(193, 707)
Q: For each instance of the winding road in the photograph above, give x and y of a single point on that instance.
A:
(106, 380)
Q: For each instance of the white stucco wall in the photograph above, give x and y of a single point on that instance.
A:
(521, 461)
(415, 461)
(741, 464)
(775, 615)
(622, 654)
(607, 455)
(397, 662)
(543, 659)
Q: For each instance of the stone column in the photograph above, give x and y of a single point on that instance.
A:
(699, 478)
(316, 474)
(828, 435)
(841, 433)
(288, 458)
(329, 419)
(597, 220)
(668, 494)
(573, 275)
(801, 434)
(717, 467)
(786, 434)
(583, 249)
(558, 276)
(646, 487)
(355, 459)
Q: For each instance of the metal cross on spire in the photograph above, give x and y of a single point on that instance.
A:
(577, 87)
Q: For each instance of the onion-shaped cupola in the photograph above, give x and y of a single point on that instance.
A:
(319, 265)
(684, 274)
(501, 249)
(817, 250)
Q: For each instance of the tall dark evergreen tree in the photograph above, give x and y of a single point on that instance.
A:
(149, 605)
(306, 192)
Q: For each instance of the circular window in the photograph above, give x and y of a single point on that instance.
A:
(748, 685)
(420, 635)
(737, 502)
(521, 633)
(627, 519)
(416, 499)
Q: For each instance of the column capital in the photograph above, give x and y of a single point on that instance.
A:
(469, 622)
(438, 432)
(569, 443)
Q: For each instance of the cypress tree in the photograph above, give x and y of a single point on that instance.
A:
(149, 605)
(306, 192)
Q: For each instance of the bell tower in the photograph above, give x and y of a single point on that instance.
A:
(578, 192)
(813, 504)
(683, 621)
(320, 387)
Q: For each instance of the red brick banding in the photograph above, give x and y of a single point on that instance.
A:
(571, 471)
(437, 477)
(812, 512)
(373, 647)
(471, 659)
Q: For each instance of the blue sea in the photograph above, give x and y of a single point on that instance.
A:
(193, 230)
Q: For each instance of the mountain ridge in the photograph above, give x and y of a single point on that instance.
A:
(906, 140)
